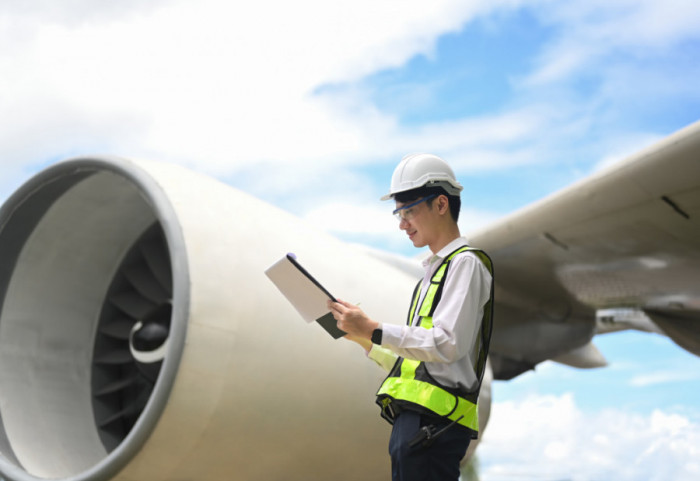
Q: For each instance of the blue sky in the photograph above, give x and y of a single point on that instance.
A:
(310, 106)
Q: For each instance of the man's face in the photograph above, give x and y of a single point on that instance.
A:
(416, 220)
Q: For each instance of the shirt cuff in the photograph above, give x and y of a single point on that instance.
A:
(382, 356)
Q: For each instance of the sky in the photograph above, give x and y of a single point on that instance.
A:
(309, 105)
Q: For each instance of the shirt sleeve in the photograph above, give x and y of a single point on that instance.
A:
(383, 357)
(456, 320)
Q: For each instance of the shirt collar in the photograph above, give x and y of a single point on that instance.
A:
(445, 251)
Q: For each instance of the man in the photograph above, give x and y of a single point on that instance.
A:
(437, 360)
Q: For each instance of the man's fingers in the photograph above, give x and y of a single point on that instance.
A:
(344, 303)
(334, 306)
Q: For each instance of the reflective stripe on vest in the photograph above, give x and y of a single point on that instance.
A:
(409, 383)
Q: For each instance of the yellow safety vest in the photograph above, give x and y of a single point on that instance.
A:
(409, 385)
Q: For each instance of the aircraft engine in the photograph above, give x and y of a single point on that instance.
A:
(140, 339)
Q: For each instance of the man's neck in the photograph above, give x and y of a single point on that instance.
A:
(444, 238)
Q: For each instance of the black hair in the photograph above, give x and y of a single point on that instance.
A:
(409, 196)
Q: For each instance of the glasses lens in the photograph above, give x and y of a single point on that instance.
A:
(403, 214)
(407, 211)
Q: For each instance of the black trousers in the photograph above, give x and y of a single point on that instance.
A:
(437, 462)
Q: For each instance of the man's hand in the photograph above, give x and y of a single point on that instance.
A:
(352, 320)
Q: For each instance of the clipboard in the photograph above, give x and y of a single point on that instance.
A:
(304, 292)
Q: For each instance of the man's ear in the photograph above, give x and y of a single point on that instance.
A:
(443, 204)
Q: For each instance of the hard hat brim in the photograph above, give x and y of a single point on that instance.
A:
(449, 187)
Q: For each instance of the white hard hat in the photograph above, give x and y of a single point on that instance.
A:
(419, 170)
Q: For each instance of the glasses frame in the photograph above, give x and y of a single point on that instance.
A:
(400, 215)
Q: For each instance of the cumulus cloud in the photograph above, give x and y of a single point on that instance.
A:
(223, 84)
(550, 437)
(268, 95)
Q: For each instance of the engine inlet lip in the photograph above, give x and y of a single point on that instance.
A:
(153, 193)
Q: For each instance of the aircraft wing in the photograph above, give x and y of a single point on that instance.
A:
(623, 244)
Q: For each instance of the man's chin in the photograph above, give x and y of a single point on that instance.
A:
(418, 243)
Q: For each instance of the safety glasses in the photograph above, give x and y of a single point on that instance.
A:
(407, 211)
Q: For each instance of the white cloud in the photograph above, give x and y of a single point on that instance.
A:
(484, 143)
(621, 147)
(371, 222)
(221, 84)
(472, 220)
(233, 89)
(362, 222)
(549, 437)
(663, 377)
(358, 219)
(236, 89)
(590, 31)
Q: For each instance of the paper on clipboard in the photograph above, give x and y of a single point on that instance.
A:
(304, 292)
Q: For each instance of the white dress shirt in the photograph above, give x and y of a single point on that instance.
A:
(449, 349)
